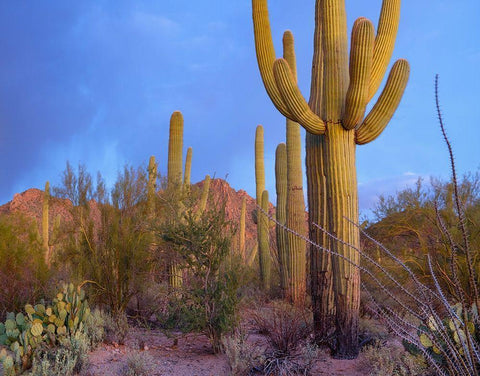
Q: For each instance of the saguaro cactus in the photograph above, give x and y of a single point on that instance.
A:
(202, 205)
(262, 225)
(45, 221)
(335, 124)
(152, 185)
(241, 232)
(295, 208)
(281, 214)
(264, 242)
(188, 168)
(174, 178)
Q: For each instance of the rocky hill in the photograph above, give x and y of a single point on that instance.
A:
(29, 203)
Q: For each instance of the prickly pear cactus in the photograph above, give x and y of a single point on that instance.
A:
(22, 333)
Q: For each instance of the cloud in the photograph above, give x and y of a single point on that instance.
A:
(155, 24)
(370, 190)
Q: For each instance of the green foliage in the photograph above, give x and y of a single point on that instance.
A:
(43, 327)
(23, 273)
(380, 360)
(107, 241)
(208, 300)
(454, 330)
(242, 355)
(138, 364)
(409, 225)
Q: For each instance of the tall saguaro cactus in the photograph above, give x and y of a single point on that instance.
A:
(281, 214)
(262, 223)
(174, 177)
(334, 120)
(295, 208)
(45, 221)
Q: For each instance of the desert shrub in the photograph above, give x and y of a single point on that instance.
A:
(139, 363)
(284, 325)
(380, 359)
(116, 328)
(286, 328)
(23, 272)
(69, 358)
(95, 327)
(108, 239)
(207, 301)
(242, 356)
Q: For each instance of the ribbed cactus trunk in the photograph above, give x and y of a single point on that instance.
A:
(152, 186)
(202, 205)
(241, 231)
(264, 243)
(174, 180)
(334, 118)
(262, 222)
(295, 208)
(188, 168)
(281, 215)
(45, 221)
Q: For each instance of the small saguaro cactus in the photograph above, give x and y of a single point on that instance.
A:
(45, 222)
(335, 123)
(188, 168)
(152, 185)
(264, 243)
(262, 224)
(241, 232)
(202, 205)
(281, 214)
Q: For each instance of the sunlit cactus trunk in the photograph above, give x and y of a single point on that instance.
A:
(45, 222)
(264, 243)
(335, 120)
(295, 204)
(174, 180)
(281, 215)
(241, 230)
(152, 186)
(262, 220)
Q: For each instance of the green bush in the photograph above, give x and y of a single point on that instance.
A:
(207, 301)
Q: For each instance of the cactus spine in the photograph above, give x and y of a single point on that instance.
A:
(281, 214)
(334, 117)
(174, 179)
(45, 215)
(152, 185)
(264, 242)
(262, 221)
(241, 232)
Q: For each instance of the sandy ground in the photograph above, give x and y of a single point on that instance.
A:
(191, 356)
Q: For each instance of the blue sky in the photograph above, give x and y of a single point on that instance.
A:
(96, 81)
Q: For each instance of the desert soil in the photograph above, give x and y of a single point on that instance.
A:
(190, 356)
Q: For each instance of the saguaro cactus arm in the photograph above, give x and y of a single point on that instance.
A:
(266, 53)
(294, 100)
(387, 103)
(384, 42)
(361, 55)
